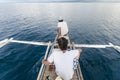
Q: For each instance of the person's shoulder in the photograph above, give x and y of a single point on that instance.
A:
(59, 22)
(76, 50)
(72, 51)
(56, 51)
(64, 21)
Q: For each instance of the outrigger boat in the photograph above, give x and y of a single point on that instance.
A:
(46, 71)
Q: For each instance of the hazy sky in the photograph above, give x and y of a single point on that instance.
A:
(59, 0)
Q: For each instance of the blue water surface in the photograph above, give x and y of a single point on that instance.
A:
(89, 23)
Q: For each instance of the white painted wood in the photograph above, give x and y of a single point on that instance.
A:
(45, 57)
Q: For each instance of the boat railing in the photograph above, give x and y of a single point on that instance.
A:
(78, 71)
(45, 57)
(47, 53)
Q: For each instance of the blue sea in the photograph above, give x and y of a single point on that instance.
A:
(89, 23)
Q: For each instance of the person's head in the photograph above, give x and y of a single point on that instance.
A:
(60, 19)
(62, 43)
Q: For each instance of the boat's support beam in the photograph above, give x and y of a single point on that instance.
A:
(6, 41)
(30, 42)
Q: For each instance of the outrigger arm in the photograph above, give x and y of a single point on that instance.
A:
(11, 40)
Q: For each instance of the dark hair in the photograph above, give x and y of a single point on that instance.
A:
(60, 20)
(62, 42)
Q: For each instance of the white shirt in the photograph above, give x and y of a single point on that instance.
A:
(63, 62)
(64, 27)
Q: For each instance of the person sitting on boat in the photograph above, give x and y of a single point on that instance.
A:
(63, 59)
(62, 28)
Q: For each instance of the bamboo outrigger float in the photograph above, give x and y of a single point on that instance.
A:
(44, 70)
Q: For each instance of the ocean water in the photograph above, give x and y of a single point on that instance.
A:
(89, 23)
